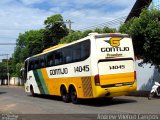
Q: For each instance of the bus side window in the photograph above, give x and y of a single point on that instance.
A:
(85, 49)
(77, 52)
(68, 59)
(50, 59)
(37, 63)
(31, 67)
(42, 62)
(67, 55)
(58, 58)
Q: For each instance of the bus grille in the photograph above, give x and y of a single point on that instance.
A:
(87, 86)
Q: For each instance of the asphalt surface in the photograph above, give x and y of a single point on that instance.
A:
(13, 100)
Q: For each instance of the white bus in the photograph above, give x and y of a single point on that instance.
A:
(99, 65)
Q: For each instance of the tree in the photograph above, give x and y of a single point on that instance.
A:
(146, 36)
(78, 34)
(55, 30)
(108, 30)
(3, 70)
(18, 68)
(28, 44)
(71, 37)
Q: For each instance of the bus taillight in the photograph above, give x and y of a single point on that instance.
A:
(135, 75)
(96, 79)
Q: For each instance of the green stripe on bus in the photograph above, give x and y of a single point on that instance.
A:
(38, 81)
(42, 81)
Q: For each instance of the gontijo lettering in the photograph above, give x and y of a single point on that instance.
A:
(114, 49)
(59, 71)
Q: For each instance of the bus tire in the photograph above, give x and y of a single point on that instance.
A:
(64, 94)
(73, 95)
(32, 91)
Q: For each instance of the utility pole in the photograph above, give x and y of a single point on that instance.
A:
(7, 69)
(69, 22)
(7, 66)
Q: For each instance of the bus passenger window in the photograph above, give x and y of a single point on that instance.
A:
(31, 67)
(36, 64)
(68, 59)
(58, 58)
(76, 53)
(67, 55)
(42, 63)
(85, 49)
(50, 61)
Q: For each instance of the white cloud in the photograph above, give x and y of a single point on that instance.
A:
(4, 2)
(84, 18)
(30, 2)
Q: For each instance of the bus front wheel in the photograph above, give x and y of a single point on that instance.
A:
(64, 94)
(73, 95)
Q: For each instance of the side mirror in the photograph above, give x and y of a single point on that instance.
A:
(22, 72)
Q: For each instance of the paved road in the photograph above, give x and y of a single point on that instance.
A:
(15, 100)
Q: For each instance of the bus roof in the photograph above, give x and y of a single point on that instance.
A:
(96, 35)
(53, 47)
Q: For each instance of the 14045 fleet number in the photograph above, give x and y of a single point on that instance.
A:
(84, 68)
(115, 67)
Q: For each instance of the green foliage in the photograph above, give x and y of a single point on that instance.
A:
(34, 41)
(53, 20)
(71, 37)
(3, 70)
(28, 44)
(86, 32)
(109, 30)
(18, 68)
(146, 36)
(78, 34)
(55, 30)
(98, 30)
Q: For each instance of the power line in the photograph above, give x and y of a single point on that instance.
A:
(69, 22)
(108, 23)
(8, 37)
(4, 54)
(8, 43)
(113, 22)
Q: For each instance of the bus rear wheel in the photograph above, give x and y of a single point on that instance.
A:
(64, 94)
(73, 95)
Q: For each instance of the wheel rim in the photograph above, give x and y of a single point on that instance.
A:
(74, 96)
(64, 95)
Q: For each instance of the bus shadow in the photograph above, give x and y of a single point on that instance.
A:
(49, 97)
(104, 102)
(3, 93)
(91, 102)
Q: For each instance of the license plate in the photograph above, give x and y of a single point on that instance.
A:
(117, 85)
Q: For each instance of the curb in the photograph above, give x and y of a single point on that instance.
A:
(11, 86)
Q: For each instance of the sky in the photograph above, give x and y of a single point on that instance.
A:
(18, 16)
